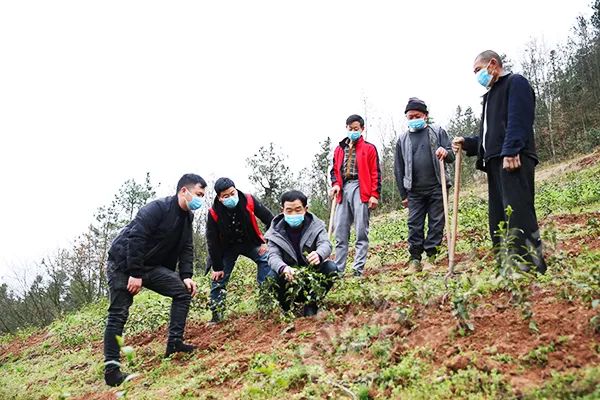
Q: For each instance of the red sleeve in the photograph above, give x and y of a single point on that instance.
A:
(375, 170)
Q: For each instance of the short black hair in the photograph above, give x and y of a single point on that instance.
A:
(223, 184)
(294, 195)
(354, 118)
(190, 180)
(486, 56)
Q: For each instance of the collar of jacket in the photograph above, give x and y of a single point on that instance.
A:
(220, 208)
(278, 234)
(173, 201)
(500, 80)
(346, 142)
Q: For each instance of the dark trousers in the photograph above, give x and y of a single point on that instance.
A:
(160, 280)
(517, 190)
(421, 204)
(327, 268)
(217, 288)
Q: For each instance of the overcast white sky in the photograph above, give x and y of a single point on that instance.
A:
(94, 93)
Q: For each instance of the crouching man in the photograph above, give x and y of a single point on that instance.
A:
(297, 238)
(147, 253)
(232, 230)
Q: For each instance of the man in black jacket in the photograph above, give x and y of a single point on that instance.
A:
(505, 150)
(232, 230)
(146, 253)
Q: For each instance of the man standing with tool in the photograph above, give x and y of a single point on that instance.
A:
(505, 150)
(419, 181)
(356, 184)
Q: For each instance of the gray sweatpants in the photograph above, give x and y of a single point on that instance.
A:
(351, 210)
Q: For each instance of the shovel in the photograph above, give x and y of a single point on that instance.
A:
(332, 216)
(331, 220)
(452, 249)
(445, 197)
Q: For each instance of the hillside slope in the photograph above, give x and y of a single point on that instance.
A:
(385, 336)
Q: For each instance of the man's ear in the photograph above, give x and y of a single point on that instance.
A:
(494, 65)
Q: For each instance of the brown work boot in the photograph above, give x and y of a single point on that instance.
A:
(413, 267)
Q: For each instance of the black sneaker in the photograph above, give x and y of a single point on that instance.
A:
(178, 347)
(540, 265)
(114, 377)
(358, 273)
(310, 310)
(216, 317)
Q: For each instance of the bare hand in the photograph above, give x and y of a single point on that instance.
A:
(457, 143)
(373, 203)
(512, 163)
(289, 273)
(313, 258)
(405, 203)
(134, 285)
(262, 250)
(334, 191)
(217, 275)
(191, 286)
(441, 153)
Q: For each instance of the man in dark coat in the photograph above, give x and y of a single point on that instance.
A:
(154, 251)
(232, 230)
(505, 150)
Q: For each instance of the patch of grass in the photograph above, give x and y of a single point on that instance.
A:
(583, 384)
(21, 334)
(464, 384)
(576, 190)
(81, 327)
(539, 355)
(46, 376)
(408, 371)
(271, 382)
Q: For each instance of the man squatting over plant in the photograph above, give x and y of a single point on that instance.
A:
(147, 253)
(297, 238)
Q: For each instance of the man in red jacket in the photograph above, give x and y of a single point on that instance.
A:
(356, 183)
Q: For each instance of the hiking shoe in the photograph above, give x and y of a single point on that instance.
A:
(428, 266)
(114, 377)
(357, 273)
(413, 267)
(310, 310)
(178, 347)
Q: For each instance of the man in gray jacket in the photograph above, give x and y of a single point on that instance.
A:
(417, 173)
(297, 238)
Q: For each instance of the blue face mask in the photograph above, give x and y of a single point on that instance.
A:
(354, 135)
(294, 220)
(484, 77)
(231, 201)
(195, 203)
(416, 124)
